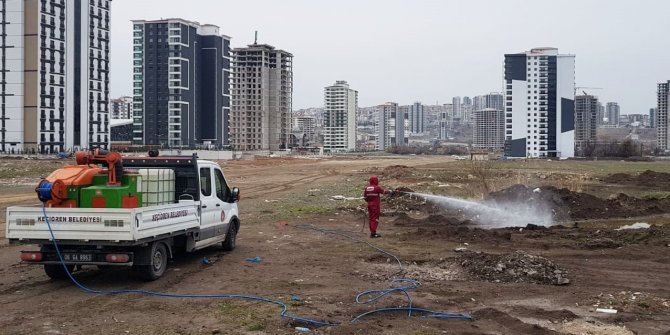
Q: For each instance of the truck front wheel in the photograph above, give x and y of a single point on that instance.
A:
(56, 271)
(158, 259)
(231, 237)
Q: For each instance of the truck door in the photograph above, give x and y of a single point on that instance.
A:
(223, 198)
(210, 210)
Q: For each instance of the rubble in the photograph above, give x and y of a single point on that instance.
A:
(517, 267)
(631, 302)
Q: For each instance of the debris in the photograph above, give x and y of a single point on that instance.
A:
(256, 259)
(606, 310)
(205, 261)
(461, 249)
(295, 298)
(638, 225)
(302, 329)
(537, 190)
(513, 268)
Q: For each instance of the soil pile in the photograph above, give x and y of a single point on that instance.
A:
(647, 178)
(569, 205)
(518, 267)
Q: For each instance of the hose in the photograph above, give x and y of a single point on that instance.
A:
(376, 294)
(283, 314)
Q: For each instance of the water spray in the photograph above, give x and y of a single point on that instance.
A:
(494, 214)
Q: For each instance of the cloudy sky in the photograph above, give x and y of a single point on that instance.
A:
(429, 50)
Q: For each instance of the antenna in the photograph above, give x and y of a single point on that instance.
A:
(256, 37)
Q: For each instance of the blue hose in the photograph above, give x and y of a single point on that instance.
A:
(406, 284)
(44, 190)
(283, 313)
(376, 294)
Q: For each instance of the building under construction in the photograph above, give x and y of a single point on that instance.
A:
(262, 92)
(586, 122)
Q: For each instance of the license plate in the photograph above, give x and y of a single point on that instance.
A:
(78, 257)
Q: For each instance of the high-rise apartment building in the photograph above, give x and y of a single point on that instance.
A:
(306, 125)
(539, 104)
(390, 126)
(652, 117)
(402, 127)
(121, 108)
(339, 117)
(446, 119)
(489, 129)
(262, 90)
(612, 112)
(586, 122)
(417, 118)
(456, 114)
(54, 80)
(491, 100)
(663, 97)
(600, 114)
(467, 101)
(180, 84)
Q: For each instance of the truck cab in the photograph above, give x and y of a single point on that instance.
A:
(218, 205)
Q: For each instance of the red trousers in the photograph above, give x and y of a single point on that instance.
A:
(373, 218)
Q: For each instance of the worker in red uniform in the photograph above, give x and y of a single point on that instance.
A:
(373, 194)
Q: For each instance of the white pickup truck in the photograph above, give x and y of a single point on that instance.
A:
(204, 213)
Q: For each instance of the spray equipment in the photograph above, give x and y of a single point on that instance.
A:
(87, 185)
(112, 160)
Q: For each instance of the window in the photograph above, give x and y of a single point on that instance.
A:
(222, 191)
(205, 182)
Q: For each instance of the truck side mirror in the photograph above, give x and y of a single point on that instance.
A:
(235, 194)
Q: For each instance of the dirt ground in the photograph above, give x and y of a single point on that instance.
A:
(513, 280)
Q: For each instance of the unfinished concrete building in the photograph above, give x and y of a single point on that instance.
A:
(586, 122)
(262, 93)
(489, 129)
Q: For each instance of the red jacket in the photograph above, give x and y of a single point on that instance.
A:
(373, 192)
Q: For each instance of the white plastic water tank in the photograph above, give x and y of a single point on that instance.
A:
(158, 186)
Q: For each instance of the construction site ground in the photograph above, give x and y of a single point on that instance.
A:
(505, 278)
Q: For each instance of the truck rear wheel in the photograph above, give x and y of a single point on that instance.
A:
(158, 259)
(231, 237)
(56, 271)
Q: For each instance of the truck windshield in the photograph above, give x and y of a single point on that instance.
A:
(222, 191)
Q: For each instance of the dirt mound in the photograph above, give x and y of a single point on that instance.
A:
(566, 204)
(647, 178)
(517, 267)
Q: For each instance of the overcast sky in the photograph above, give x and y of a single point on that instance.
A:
(429, 50)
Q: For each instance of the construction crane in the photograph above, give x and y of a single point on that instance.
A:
(588, 88)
